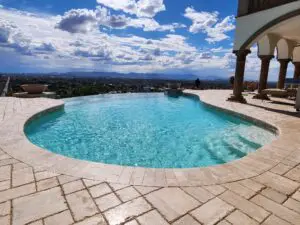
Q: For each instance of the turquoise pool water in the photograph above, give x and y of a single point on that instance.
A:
(147, 130)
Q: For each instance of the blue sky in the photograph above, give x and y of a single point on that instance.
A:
(147, 36)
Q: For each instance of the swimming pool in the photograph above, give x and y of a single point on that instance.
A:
(146, 130)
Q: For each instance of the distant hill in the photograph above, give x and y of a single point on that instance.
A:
(114, 75)
(146, 76)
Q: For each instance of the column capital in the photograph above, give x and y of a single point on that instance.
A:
(266, 57)
(241, 54)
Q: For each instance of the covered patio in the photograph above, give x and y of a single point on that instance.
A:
(272, 25)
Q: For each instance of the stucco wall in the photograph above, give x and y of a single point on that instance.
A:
(248, 25)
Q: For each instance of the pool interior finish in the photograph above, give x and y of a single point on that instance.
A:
(146, 130)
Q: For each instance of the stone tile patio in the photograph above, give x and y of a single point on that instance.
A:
(263, 188)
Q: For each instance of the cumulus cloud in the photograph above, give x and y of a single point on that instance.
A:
(5, 30)
(35, 43)
(45, 47)
(149, 24)
(100, 53)
(80, 20)
(84, 20)
(210, 24)
(218, 32)
(140, 8)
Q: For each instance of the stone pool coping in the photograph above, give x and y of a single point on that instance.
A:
(14, 142)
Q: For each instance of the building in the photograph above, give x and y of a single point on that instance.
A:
(271, 24)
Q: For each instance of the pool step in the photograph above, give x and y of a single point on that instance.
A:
(235, 149)
(233, 143)
(249, 142)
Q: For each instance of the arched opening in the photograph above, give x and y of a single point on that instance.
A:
(287, 23)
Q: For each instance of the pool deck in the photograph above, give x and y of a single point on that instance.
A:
(39, 187)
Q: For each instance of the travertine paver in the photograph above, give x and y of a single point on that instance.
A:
(240, 190)
(31, 194)
(81, 205)
(172, 202)
(44, 175)
(64, 218)
(127, 194)
(247, 207)
(4, 220)
(17, 192)
(294, 174)
(297, 195)
(95, 220)
(215, 189)
(145, 190)
(73, 187)
(4, 185)
(39, 222)
(274, 220)
(293, 205)
(186, 220)
(251, 184)
(224, 222)
(22, 176)
(107, 202)
(277, 182)
(124, 212)
(277, 209)
(99, 190)
(37, 206)
(274, 195)
(5, 208)
(238, 218)
(132, 222)
(63, 179)
(281, 169)
(47, 184)
(90, 183)
(212, 211)
(5, 172)
(116, 186)
(151, 218)
(199, 193)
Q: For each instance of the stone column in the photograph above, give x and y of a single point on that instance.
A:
(297, 70)
(264, 72)
(282, 72)
(239, 76)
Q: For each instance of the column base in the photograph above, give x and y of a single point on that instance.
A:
(261, 96)
(239, 99)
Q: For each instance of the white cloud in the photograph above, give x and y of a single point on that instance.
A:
(36, 45)
(219, 30)
(140, 8)
(201, 20)
(84, 20)
(78, 21)
(31, 36)
(149, 24)
(208, 23)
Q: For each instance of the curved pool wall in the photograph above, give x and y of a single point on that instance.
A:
(172, 145)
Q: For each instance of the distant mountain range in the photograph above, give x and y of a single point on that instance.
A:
(146, 76)
(115, 75)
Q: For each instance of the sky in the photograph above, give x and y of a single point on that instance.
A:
(190, 37)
